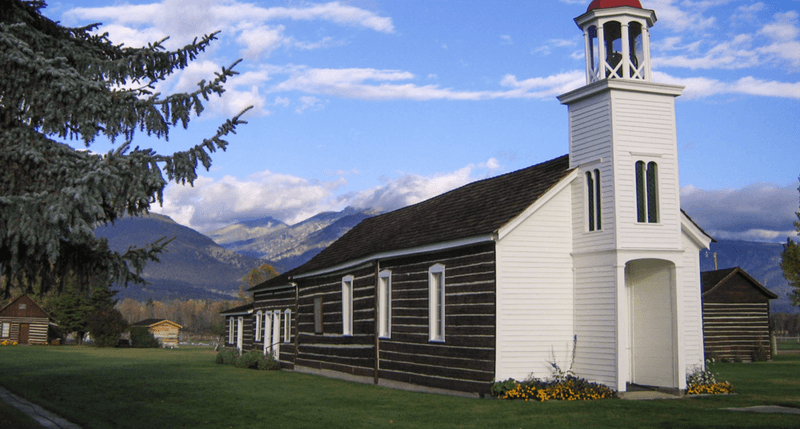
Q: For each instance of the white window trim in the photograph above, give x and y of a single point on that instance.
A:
(385, 304)
(258, 326)
(231, 323)
(436, 303)
(5, 330)
(347, 305)
(287, 325)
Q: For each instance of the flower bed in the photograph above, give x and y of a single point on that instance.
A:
(568, 388)
(8, 343)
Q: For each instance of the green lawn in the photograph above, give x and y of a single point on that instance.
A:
(788, 345)
(130, 388)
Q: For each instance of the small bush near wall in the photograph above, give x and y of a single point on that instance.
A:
(141, 337)
(226, 356)
(252, 360)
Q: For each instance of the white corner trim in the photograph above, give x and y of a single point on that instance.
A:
(544, 199)
(691, 230)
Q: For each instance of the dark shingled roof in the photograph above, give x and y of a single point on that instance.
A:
(712, 279)
(475, 209)
(240, 309)
(148, 322)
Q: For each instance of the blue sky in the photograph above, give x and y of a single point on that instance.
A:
(384, 103)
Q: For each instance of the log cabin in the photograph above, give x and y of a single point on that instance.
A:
(735, 316)
(165, 331)
(585, 261)
(23, 321)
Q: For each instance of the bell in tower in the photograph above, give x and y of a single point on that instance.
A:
(617, 39)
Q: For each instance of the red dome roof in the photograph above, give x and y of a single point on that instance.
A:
(605, 4)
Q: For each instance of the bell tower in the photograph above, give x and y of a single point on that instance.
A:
(628, 247)
(617, 40)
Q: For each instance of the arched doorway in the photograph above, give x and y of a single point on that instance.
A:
(653, 327)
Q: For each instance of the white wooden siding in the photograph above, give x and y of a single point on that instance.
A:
(596, 318)
(591, 148)
(534, 292)
(691, 305)
(644, 129)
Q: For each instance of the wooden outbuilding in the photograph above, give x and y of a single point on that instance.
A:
(735, 316)
(165, 331)
(23, 321)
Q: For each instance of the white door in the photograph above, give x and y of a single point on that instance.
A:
(276, 334)
(653, 351)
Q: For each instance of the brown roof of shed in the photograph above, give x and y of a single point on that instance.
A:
(711, 279)
(475, 209)
(151, 322)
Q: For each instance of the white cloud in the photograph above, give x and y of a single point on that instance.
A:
(506, 39)
(701, 87)
(760, 211)
(307, 102)
(412, 188)
(135, 25)
(374, 84)
(212, 204)
(683, 15)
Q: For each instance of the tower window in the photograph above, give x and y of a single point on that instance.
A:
(646, 192)
(593, 203)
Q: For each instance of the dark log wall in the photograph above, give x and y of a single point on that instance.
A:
(736, 331)
(268, 301)
(465, 361)
(353, 354)
(736, 321)
(247, 334)
(37, 329)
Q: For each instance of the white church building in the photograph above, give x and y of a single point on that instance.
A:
(499, 278)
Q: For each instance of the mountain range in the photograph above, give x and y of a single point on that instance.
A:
(192, 267)
(284, 246)
(211, 267)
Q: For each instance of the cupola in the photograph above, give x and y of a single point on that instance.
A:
(617, 40)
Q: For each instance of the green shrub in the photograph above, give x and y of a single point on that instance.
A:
(248, 360)
(267, 363)
(142, 338)
(500, 388)
(226, 356)
(561, 387)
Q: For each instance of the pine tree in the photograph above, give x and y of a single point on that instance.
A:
(59, 84)
(790, 263)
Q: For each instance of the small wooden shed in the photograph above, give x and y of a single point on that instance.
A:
(165, 331)
(24, 322)
(735, 316)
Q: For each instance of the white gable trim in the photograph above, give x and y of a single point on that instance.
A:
(694, 233)
(445, 245)
(544, 199)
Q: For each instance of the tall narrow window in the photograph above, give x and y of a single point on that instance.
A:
(231, 323)
(318, 315)
(646, 192)
(287, 325)
(258, 326)
(593, 203)
(347, 305)
(385, 304)
(436, 302)
(5, 330)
